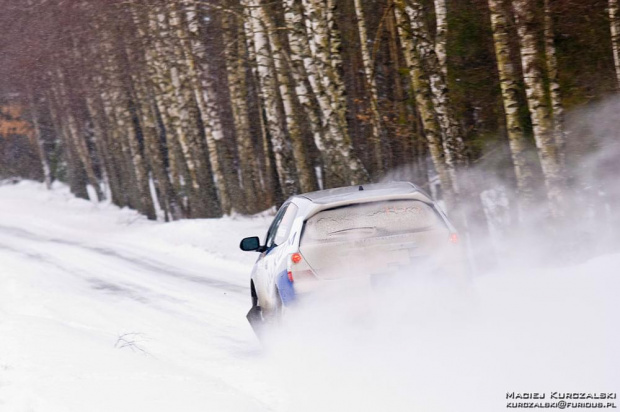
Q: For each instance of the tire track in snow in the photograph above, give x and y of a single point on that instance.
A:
(110, 272)
(137, 262)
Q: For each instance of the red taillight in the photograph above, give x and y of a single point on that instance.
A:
(454, 238)
(295, 258)
(290, 276)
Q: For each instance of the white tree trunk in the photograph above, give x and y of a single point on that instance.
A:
(453, 144)
(614, 25)
(268, 86)
(235, 49)
(371, 84)
(554, 84)
(74, 134)
(342, 166)
(185, 114)
(509, 83)
(540, 113)
(424, 103)
(120, 103)
(204, 89)
(305, 172)
(162, 95)
(441, 36)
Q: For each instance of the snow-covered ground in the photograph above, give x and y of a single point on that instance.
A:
(101, 310)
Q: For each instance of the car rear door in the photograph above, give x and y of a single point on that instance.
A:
(271, 261)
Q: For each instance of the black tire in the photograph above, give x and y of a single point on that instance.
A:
(253, 294)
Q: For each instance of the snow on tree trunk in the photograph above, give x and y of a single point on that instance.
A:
(269, 170)
(119, 180)
(234, 43)
(369, 75)
(554, 84)
(109, 175)
(120, 102)
(467, 208)
(342, 166)
(268, 89)
(453, 145)
(156, 55)
(306, 84)
(441, 35)
(424, 102)
(162, 97)
(204, 86)
(77, 138)
(540, 113)
(509, 83)
(147, 118)
(614, 25)
(296, 31)
(306, 174)
(99, 137)
(203, 200)
(414, 146)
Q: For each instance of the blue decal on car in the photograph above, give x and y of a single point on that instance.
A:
(285, 287)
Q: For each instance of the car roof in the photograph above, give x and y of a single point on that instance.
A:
(352, 193)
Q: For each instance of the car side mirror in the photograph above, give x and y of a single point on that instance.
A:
(250, 244)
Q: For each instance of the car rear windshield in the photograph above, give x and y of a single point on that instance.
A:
(371, 219)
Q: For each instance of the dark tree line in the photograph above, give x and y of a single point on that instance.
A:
(199, 108)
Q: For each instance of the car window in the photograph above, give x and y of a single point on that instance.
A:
(371, 220)
(274, 225)
(284, 228)
(281, 225)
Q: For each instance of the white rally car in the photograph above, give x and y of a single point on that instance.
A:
(330, 236)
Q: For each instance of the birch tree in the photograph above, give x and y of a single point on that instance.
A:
(121, 103)
(540, 112)
(405, 118)
(509, 83)
(441, 35)
(307, 177)
(271, 180)
(375, 117)
(555, 94)
(614, 25)
(204, 86)
(268, 88)
(184, 113)
(169, 174)
(75, 135)
(235, 52)
(146, 115)
(453, 143)
(150, 103)
(342, 166)
(424, 103)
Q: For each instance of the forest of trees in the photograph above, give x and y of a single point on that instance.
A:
(199, 108)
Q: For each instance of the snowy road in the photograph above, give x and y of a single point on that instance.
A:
(92, 317)
(101, 310)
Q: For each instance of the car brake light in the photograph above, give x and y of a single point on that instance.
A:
(454, 238)
(290, 276)
(296, 258)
